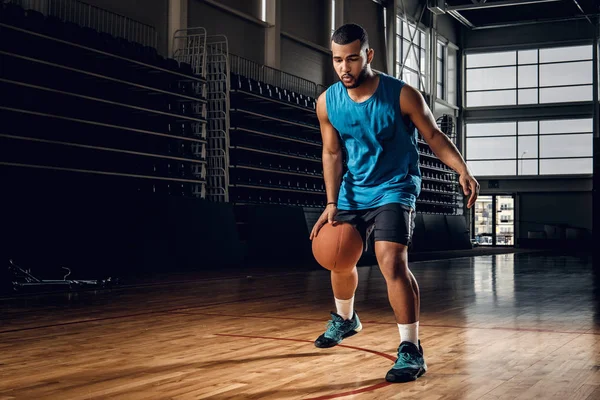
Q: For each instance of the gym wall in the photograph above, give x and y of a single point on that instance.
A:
(556, 32)
(572, 209)
(246, 39)
(309, 21)
(369, 15)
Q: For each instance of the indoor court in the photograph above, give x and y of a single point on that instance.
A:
(162, 169)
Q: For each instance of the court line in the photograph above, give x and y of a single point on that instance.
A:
(330, 396)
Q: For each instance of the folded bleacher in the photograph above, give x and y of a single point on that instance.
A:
(79, 106)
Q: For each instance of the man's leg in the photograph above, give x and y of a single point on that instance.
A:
(344, 322)
(403, 291)
(344, 286)
(393, 232)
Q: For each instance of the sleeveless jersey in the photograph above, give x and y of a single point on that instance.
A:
(381, 149)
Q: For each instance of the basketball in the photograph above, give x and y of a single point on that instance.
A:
(337, 247)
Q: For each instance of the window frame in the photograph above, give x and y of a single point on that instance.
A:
(423, 52)
(519, 159)
(517, 89)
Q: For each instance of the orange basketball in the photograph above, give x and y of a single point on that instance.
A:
(337, 247)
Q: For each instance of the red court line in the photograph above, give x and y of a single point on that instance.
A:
(393, 323)
(329, 396)
(357, 391)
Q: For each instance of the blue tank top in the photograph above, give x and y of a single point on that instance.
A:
(382, 151)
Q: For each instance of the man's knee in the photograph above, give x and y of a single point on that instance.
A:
(393, 259)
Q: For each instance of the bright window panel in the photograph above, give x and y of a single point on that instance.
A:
(411, 78)
(577, 73)
(493, 168)
(440, 71)
(572, 53)
(492, 129)
(480, 148)
(581, 125)
(528, 147)
(528, 96)
(451, 65)
(405, 32)
(411, 60)
(491, 78)
(566, 145)
(528, 167)
(528, 127)
(528, 76)
(566, 166)
(528, 57)
(566, 94)
(491, 59)
(496, 98)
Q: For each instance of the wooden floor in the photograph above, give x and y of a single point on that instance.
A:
(508, 326)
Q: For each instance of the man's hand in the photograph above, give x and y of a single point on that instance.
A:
(470, 187)
(327, 216)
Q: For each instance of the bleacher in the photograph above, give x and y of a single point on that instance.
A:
(275, 155)
(83, 106)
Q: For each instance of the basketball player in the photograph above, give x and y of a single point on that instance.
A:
(376, 118)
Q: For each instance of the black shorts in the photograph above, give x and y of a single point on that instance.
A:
(392, 222)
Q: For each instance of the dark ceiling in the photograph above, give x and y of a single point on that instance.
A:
(479, 13)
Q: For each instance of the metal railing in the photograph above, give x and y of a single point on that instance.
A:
(272, 76)
(89, 16)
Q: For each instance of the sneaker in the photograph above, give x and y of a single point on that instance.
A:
(409, 365)
(338, 329)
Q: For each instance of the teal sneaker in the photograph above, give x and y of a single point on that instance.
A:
(337, 330)
(409, 365)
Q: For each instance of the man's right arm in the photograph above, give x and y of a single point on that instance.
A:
(332, 152)
(332, 165)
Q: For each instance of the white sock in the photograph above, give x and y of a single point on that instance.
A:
(409, 333)
(345, 308)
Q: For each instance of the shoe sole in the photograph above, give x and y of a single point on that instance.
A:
(347, 335)
(406, 378)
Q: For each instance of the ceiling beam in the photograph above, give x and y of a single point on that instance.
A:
(583, 12)
(502, 3)
(531, 22)
(460, 18)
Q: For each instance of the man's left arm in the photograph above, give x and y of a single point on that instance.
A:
(413, 105)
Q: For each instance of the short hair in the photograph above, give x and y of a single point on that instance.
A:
(348, 33)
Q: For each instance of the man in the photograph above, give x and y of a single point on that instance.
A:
(377, 117)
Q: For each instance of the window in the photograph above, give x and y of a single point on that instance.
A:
(411, 50)
(549, 147)
(536, 76)
(442, 63)
(332, 16)
(451, 74)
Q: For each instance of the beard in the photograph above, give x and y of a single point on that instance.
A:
(358, 80)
